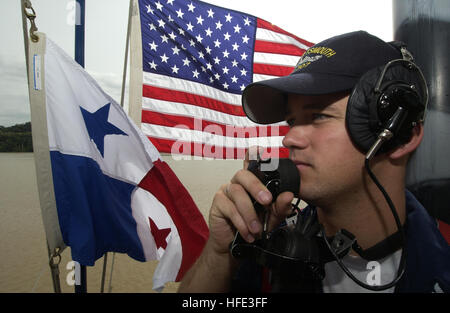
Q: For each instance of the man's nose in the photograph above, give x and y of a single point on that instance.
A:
(296, 137)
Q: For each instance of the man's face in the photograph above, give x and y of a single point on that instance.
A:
(319, 144)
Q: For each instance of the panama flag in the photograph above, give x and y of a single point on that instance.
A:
(112, 190)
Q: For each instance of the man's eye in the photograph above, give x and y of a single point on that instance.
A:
(319, 116)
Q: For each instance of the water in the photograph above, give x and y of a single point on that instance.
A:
(23, 252)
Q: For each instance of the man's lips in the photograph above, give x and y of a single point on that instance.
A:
(302, 164)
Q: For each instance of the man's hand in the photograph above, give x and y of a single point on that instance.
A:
(232, 210)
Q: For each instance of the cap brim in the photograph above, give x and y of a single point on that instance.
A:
(265, 102)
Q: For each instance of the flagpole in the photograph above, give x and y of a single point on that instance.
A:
(79, 32)
(79, 58)
(125, 63)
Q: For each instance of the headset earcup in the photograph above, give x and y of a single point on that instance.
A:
(366, 116)
(361, 117)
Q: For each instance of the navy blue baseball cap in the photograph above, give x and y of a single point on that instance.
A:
(333, 65)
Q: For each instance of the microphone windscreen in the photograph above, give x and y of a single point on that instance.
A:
(289, 176)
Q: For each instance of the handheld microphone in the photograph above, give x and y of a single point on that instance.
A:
(293, 256)
(278, 176)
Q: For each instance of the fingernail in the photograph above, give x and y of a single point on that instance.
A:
(250, 238)
(255, 227)
(264, 196)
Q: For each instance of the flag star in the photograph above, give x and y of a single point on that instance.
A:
(208, 50)
(164, 38)
(153, 46)
(225, 85)
(210, 13)
(225, 70)
(191, 7)
(98, 126)
(180, 13)
(243, 72)
(200, 20)
(217, 43)
(181, 31)
(242, 87)
(170, 2)
(234, 63)
(149, 9)
(246, 22)
(193, 58)
(219, 25)
(152, 27)
(172, 36)
(228, 17)
(160, 235)
(235, 46)
(245, 39)
(209, 66)
(175, 69)
(153, 65)
(159, 6)
(199, 38)
(234, 79)
(217, 76)
(192, 43)
(244, 56)
(161, 23)
(225, 54)
(208, 32)
(203, 69)
(237, 28)
(195, 74)
(164, 58)
(211, 80)
(216, 60)
(190, 26)
(201, 55)
(186, 62)
(175, 50)
(227, 36)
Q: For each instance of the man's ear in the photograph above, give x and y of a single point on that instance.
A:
(411, 145)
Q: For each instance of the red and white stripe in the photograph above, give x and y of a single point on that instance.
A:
(185, 117)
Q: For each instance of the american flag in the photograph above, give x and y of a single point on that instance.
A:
(197, 60)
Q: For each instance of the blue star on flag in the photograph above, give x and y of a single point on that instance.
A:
(98, 126)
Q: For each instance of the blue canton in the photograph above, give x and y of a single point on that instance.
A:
(199, 42)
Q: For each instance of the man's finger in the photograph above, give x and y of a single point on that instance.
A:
(253, 186)
(252, 153)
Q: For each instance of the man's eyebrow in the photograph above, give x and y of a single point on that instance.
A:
(321, 106)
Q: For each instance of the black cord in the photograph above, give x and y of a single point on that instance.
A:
(401, 268)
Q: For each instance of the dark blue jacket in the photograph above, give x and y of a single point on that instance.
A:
(428, 254)
(427, 257)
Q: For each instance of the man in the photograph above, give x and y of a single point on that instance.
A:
(315, 101)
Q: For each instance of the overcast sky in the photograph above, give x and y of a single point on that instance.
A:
(106, 26)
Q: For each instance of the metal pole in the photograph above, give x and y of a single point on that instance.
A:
(425, 27)
(79, 31)
(79, 58)
(105, 261)
(125, 63)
